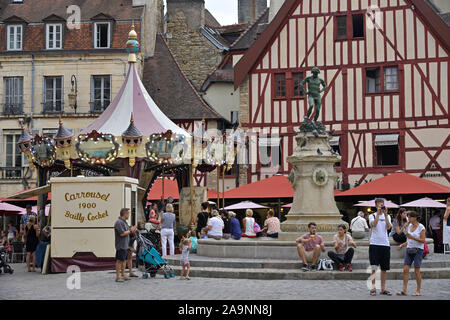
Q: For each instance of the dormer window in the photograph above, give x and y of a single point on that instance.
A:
(14, 37)
(102, 35)
(54, 36)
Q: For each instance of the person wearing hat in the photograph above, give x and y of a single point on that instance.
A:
(25, 217)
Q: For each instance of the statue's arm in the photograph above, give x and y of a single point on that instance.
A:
(302, 85)
(324, 86)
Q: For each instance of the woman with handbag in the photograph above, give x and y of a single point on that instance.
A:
(249, 224)
(414, 251)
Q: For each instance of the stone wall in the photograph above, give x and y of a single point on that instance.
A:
(197, 56)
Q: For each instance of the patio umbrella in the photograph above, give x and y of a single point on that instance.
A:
(371, 203)
(424, 203)
(7, 210)
(288, 205)
(245, 205)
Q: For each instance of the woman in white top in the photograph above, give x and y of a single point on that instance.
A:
(414, 251)
(215, 226)
(248, 222)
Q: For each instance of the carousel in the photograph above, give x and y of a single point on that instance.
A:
(132, 143)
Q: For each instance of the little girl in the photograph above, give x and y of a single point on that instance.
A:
(185, 247)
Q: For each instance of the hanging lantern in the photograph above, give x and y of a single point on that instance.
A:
(63, 142)
(25, 145)
(132, 139)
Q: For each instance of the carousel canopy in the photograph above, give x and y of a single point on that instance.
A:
(133, 99)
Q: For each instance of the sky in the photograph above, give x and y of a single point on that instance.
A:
(225, 11)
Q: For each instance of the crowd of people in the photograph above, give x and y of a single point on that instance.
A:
(26, 242)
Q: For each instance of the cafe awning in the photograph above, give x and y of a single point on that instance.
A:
(399, 183)
(386, 140)
(30, 194)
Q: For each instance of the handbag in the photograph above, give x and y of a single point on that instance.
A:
(412, 251)
(256, 228)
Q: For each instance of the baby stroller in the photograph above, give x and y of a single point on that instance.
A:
(151, 259)
(3, 265)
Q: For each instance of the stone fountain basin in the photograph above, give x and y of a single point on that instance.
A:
(267, 248)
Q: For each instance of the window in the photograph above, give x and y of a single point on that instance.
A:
(391, 79)
(380, 80)
(280, 85)
(358, 25)
(298, 91)
(101, 35)
(386, 150)
(234, 117)
(336, 147)
(100, 93)
(14, 35)
(373, 80)
(341, 26)
(54, 36)
(13, 157)
(270, 153)
(13, 93)
(53, 94)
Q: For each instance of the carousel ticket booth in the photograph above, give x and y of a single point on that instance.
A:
(84, 210)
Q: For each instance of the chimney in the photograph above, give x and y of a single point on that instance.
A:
(151, 25)
(249, 10)
(275, 6)
(193, 10)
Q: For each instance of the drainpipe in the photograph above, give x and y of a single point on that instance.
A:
(32, 91)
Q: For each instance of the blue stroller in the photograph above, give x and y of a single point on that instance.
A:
(152, 259)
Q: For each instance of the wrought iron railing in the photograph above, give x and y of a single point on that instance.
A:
(97, 106)
(12, 108)
(53, 106)
(11, 173)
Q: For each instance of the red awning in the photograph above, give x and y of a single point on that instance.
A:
(171, 190)
(274, 187)
(397, 184)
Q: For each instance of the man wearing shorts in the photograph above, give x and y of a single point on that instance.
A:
(309, 247)
(379, 248)
(122, 241)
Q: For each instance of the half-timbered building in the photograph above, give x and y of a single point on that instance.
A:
(386, 64)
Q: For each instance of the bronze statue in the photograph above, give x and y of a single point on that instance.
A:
(314, 92)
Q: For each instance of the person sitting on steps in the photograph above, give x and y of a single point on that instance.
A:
(309, 247)
(342, 254)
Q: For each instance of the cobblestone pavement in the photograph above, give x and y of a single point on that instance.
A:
(101, 285)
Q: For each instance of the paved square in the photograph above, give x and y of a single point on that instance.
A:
(100, 285)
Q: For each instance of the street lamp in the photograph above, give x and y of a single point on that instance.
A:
(73, 94)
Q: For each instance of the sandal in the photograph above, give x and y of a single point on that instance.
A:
(373, 292)
(386, 293)
(416, 294)
(401, 293)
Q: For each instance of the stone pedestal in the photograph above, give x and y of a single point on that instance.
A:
(313, 179)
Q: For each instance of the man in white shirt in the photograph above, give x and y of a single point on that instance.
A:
(435, 229)
(379, 248)
(215, 226)
(359, 227)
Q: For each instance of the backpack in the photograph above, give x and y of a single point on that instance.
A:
(325, 264)
(256, 228)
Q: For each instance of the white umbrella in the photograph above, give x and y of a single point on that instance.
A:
(245, 205)
(424, 203)
(371, 203)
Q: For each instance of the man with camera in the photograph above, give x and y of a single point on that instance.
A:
(379, 248)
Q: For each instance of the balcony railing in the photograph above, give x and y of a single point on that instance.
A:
(97, 106)
(11, 173)
(53, 107)
(12, 108)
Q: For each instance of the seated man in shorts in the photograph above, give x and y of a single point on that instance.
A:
(309, 247)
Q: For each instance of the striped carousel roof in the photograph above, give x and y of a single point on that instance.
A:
(134, 99)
